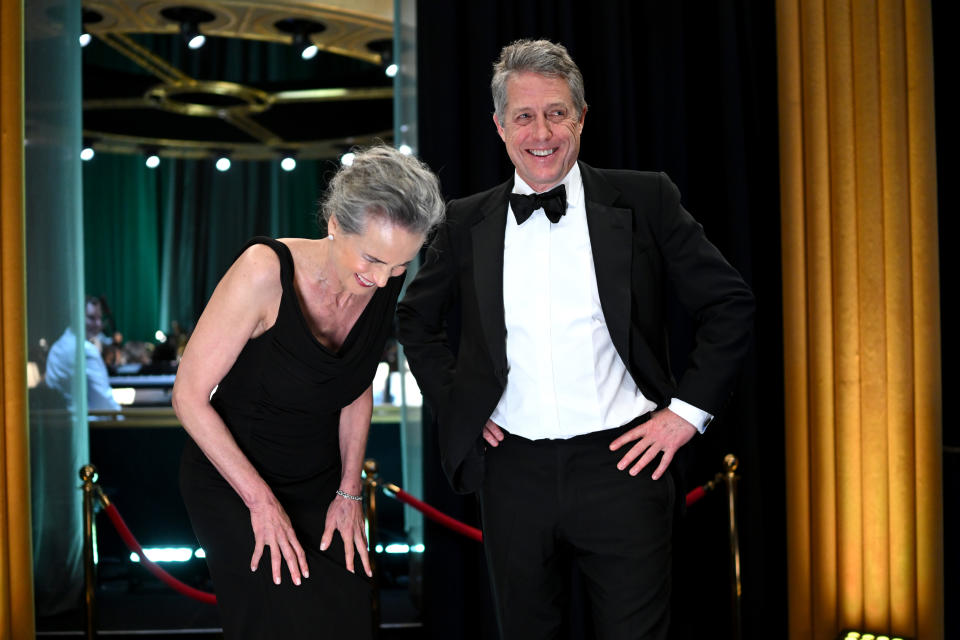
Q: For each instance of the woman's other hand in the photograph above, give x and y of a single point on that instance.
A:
(346, 516)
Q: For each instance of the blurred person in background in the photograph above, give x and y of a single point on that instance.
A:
(61, 363)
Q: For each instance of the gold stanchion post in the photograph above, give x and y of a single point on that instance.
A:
(370, 481)
(730, 464)
(88, 473)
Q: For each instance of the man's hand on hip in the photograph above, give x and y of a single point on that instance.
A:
(664, 432)
(492, 433)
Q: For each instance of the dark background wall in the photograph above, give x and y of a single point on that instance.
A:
(688, 88)
(945, 52)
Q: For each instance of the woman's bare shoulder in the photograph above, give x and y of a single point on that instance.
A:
(299, 245)
(256, 269)
(304, 251)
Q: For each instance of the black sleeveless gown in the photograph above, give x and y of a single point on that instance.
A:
(281, 401)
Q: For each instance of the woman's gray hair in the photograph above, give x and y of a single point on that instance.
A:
(537, 56)
(383, 182)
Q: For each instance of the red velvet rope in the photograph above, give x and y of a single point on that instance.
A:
(472, 532)
(401, 495)
(437, 516)
(152, 566)
(695, 495)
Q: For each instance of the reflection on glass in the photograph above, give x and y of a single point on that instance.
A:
(62, 367)
(54, 248)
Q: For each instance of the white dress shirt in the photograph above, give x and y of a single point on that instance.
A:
(61, 366)
(565, 376)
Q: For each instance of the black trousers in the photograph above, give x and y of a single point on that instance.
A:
(547, 504)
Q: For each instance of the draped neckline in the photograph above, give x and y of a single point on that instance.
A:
(301, 314)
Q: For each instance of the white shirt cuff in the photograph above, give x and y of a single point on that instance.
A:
(697, 417)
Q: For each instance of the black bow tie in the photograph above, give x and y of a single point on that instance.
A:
(554, 203)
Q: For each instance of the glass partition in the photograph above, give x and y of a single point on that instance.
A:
(406, 136)
(55, 316)
(152, 242)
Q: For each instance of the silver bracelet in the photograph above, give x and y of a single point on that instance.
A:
(348, 496)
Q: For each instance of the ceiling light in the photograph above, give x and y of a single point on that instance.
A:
(223, 163)
(153, 161)
(192, 36)
(391, 70)
(189, 19)
(405, 149)
(88, 17)
(301, 31)
(308, 50)
(288, 163)
(347, 158)
(87, 153)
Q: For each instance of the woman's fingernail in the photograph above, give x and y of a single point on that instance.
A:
(306, 574)
(276, 580)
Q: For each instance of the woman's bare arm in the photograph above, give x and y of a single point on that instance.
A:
(243, 306)
(345, 515)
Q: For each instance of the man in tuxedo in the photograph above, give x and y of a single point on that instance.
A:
(560, 408)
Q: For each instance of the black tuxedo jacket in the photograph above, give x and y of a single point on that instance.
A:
(642, 241)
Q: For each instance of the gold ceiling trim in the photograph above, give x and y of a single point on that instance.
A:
(107, 142)
(350, 26)
(334, 95)
(145, 58)
(252, 128)
(166, 96)
(302, 95)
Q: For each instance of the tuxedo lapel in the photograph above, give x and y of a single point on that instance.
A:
(611, 239)
(487, 237)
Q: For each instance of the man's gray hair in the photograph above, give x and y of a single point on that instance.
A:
(537, 56)
(383, 182)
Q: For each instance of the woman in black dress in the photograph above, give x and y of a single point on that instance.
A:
(274, 390)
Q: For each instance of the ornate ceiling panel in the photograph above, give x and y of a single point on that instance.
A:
(246, 92)
(349, 26)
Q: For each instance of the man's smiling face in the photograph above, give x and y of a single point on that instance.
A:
(540, 128)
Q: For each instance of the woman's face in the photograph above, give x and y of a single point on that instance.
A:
(368, 259)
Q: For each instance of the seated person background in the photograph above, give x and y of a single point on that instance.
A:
(59, 446)
(61, 363)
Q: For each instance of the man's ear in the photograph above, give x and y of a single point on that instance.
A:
(496, 121)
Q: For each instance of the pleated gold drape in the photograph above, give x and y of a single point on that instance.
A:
(16, 584)
(861, 317)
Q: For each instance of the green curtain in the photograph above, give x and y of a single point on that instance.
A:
(157, 241)
(120, 236)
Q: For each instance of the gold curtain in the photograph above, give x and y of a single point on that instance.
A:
(16, 581)
(861, 317)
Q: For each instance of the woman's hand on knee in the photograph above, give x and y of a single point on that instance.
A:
(346, 517)
(272, 528)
